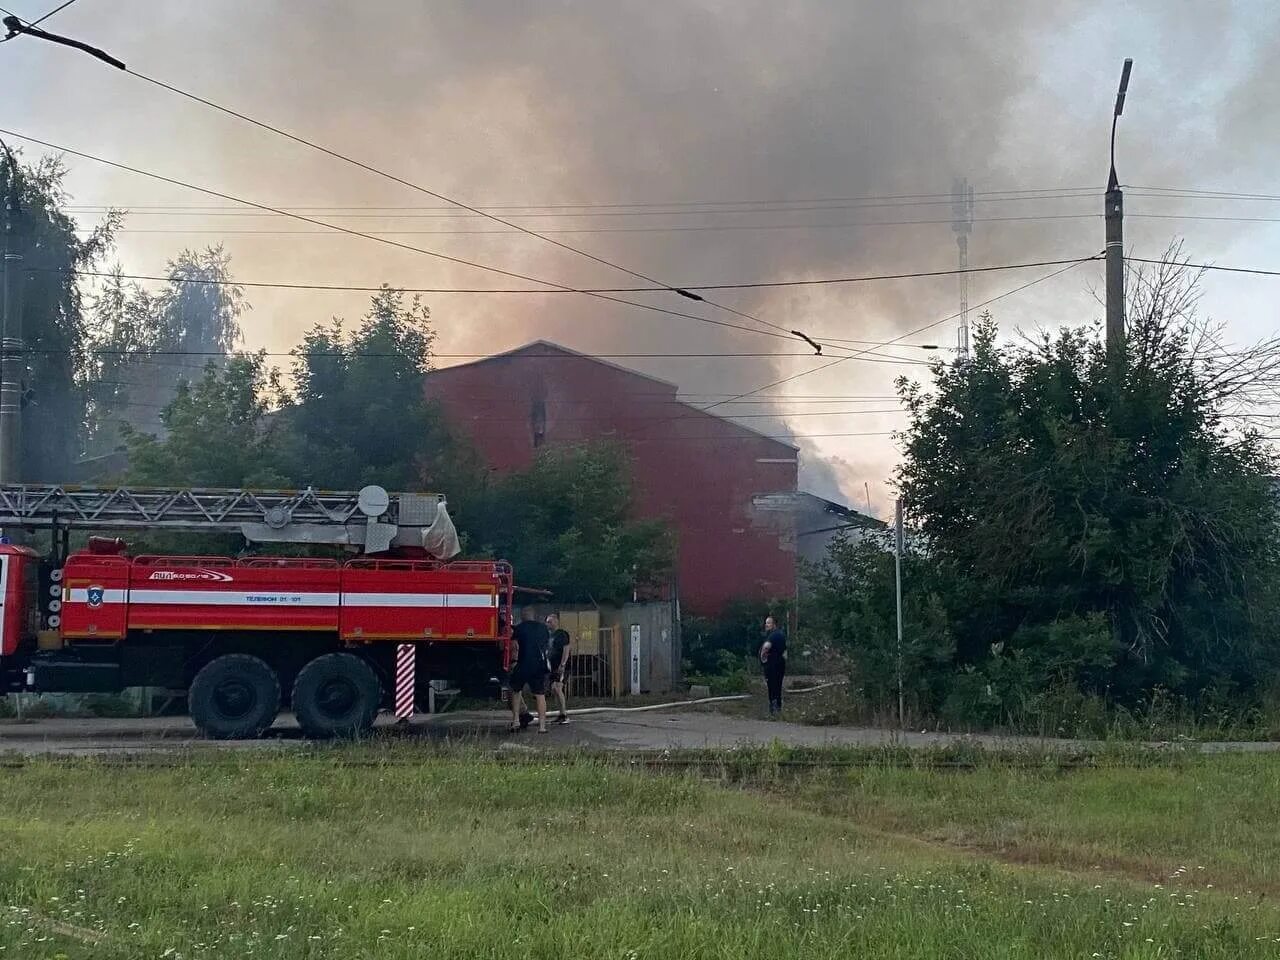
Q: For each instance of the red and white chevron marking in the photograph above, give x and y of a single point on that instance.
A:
(406, 655)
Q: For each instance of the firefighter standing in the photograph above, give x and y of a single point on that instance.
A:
(561, 645)
(530, 670)
(773, 658)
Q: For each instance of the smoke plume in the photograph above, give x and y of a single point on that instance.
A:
(547, 103)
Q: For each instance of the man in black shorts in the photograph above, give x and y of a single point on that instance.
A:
(560, 647)
(530, 669)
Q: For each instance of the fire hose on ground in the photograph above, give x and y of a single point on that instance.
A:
(582, 711)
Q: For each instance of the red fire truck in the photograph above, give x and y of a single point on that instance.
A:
(244, 637)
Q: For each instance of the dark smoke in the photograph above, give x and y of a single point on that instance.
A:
(512, 102)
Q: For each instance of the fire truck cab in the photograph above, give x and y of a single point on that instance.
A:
(245, 637)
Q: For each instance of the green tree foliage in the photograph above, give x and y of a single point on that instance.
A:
(218, 431)
(144, 344)
(359, 414)
(565, 523)
(54, 327)
(1110, 534)
(852, 596)
(718, 646)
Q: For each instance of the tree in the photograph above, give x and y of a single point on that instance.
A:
(218, 431)
(53, 313)
(357, 415)
(360, 413)
(1116, 534)
(143, 345)
(566, 525)
(721, 645)
(851, 598)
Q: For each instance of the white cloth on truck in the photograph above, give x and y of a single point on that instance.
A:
(441, 538)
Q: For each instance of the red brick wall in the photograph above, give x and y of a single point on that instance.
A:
(696, 470)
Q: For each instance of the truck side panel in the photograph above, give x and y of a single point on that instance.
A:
(407, 600)
(95, 597)
(192, 593)
(11, 602)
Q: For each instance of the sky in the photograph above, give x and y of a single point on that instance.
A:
(755, 141)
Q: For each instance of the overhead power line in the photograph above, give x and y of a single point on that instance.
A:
(33, 23)
(544, 235)
(148, 356)
(693, 207)
(746, 285)
(942, 198)
(614, 210)
(629, 398)
(389, 242)
(1207, 266)
(55, 10)
(686, 228)
(928, 326)
(313, 145)
(1192, 193)
(621, 420)
(406, 212)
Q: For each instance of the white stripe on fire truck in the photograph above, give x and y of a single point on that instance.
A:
(79, 595)
(484, 600)
(228, 598)
(222, 598)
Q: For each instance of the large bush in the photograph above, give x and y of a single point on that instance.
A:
(1079, 523)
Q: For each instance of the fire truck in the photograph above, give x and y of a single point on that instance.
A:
(243, 637)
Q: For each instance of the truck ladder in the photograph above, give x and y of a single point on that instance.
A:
(370, 518)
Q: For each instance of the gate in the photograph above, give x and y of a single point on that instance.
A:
(596, 666)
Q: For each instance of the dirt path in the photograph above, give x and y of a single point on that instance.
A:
(656, 730)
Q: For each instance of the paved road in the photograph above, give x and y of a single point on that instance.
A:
(654, 730)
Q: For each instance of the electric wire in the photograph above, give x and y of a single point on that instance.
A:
(928, 326)
(389, 242)
(746, 285)
(452, 200)
(945, 198)
(218, 354)
(57, 9)
(701, 228)
(438, 213)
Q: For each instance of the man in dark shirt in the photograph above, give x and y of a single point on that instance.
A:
(530, 669)
(773, 657)
(560, 647)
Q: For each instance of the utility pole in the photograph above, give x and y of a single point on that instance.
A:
(897, 569)
(12, 355)
(962, 224)
(1113, 207)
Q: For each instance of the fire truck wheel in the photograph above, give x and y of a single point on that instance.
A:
(336, 695)
(234, 697)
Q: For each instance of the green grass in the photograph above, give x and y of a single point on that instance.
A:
(440, 853)
(1182, 819)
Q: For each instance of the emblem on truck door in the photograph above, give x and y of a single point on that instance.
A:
(95, 595)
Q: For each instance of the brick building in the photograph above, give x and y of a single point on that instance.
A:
(712, 479)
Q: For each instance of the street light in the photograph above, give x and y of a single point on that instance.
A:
(1113, 210)
(1112, 182)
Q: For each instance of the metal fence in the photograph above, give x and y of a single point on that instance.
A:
(596, 670)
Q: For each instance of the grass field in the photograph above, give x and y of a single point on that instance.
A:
(414, 852)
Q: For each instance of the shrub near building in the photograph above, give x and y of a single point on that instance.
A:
(1086, 544)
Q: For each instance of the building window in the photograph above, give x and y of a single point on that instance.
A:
(538, 420)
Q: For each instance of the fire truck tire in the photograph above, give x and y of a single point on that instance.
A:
(234, 697)
(336, 695)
